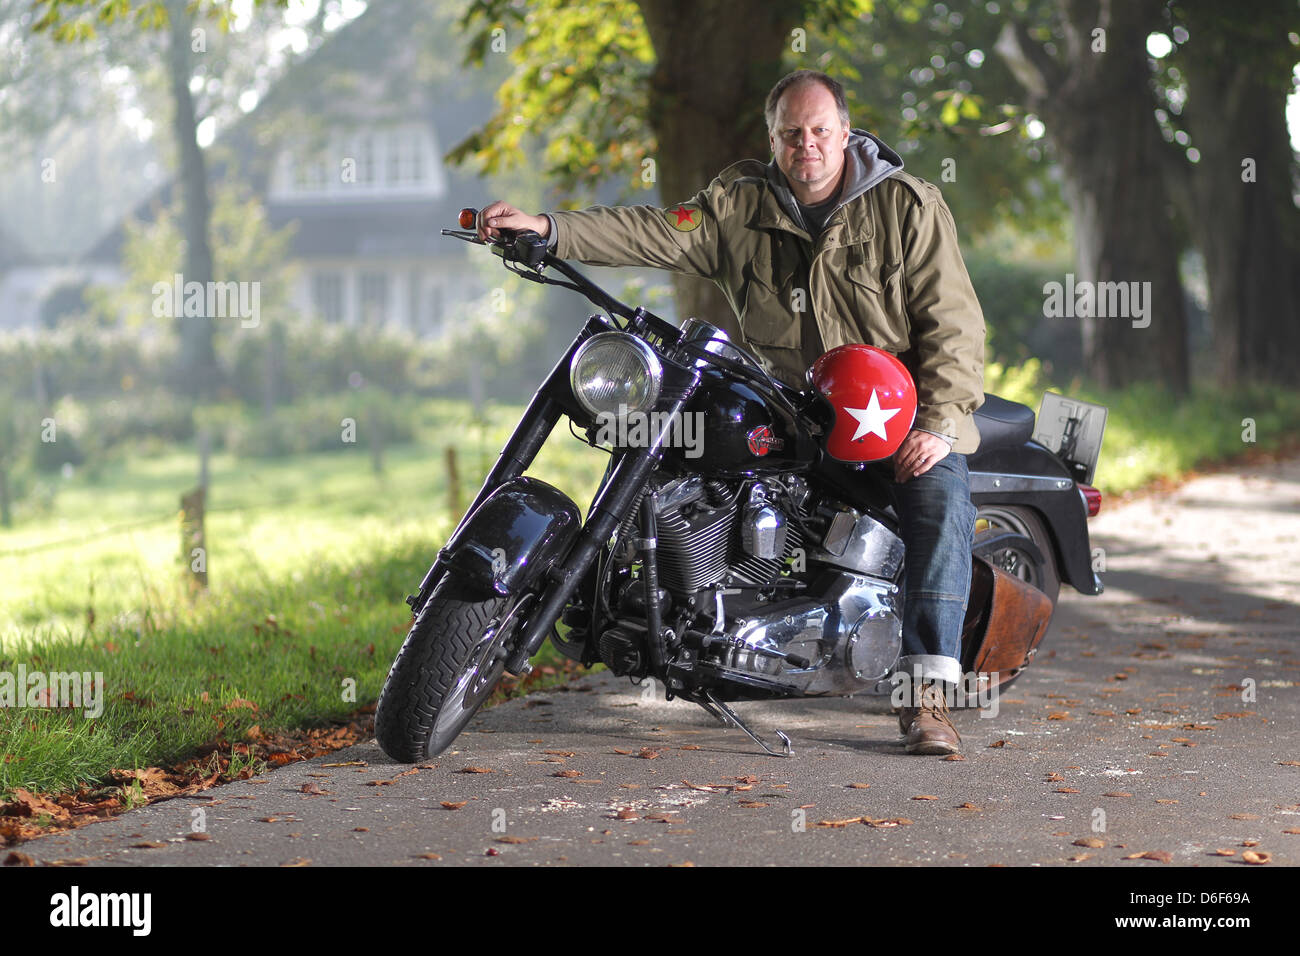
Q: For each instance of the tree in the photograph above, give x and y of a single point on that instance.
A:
(665, 92)
(194, 61)
(1223, 93)
(1089, 79)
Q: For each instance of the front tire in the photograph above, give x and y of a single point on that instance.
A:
(451, 661)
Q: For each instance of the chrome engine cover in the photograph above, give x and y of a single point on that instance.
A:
(851, 638)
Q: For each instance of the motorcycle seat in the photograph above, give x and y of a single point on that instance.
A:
(1001, 422)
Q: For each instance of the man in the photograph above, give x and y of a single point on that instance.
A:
(832, 243)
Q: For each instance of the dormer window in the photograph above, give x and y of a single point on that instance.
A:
(371, 163)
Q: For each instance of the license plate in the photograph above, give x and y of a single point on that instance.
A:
(1072, 429)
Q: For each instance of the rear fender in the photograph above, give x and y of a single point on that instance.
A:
(1031, 476)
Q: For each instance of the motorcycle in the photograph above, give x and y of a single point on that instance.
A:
(756, 567)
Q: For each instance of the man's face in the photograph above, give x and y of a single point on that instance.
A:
(808, 140)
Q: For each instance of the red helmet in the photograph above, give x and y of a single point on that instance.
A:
(874, 401)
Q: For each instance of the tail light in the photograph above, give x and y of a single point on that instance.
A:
(1091, 498)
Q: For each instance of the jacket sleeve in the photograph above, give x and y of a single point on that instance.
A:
(947, 324)
(682, 238)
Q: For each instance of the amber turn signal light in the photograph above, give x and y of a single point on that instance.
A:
(467, 217)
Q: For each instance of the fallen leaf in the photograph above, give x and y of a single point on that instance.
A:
(19, 859)
(1256, 856)
(560, 753)
(239, 703)
(925, 796)
(148, 845)
(1066, 790)
(1243, 816)
(516, 839)
(1160, 856)
(1093, 842)
(449, 805)
(648, 753)
(567, 773)
(620, 750)
(954, 757)
(752, 804)
(474, 770)
(998, 743)
(1079, 857)
(627, 815)
(1166, 801)
(1117, 793)
(683, 747)
(198, 836)
(1224, 853)
(314, 790)
(966, 806)
(859, 786)
(427, 856)
(297, 861)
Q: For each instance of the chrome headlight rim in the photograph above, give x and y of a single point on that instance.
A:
(650, 361)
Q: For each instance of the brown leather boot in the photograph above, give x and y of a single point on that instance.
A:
(927, 727)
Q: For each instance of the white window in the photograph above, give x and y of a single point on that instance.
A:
(374, 298)
(327, 295)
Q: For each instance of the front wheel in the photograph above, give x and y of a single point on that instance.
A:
(450, 663)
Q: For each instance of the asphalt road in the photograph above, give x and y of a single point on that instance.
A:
(1160, 717)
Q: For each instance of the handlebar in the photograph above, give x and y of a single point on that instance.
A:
(529, 249)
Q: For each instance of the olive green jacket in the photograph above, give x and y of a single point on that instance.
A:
(886, 271)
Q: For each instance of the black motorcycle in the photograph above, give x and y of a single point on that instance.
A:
(750, 566)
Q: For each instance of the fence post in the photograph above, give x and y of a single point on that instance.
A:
(453, 484)
(194, 549)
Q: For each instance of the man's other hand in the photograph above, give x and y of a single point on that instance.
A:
(501, 215)
(918, 454)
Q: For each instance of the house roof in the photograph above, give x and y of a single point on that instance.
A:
(314, 87)
(12, 252)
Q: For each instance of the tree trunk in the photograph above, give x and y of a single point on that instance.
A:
(715, 63)
(1243, 217)
(198, 356)
(1099, 112)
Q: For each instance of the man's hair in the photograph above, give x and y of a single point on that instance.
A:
(797, 78)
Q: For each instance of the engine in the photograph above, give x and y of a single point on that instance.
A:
(761, 584)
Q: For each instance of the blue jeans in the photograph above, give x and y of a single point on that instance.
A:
(937, 523)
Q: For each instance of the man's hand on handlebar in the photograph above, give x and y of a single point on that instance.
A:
(501, 215)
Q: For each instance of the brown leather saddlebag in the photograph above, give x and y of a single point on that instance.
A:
(1005, 620)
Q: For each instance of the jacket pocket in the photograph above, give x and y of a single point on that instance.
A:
(876, 291)
(768, 318)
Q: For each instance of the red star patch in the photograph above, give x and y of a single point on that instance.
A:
(684, 218)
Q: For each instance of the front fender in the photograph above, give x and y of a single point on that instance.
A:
(510, 540)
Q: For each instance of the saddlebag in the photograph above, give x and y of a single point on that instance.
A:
(1005, 620)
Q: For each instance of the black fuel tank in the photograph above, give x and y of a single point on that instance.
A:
(741, 432)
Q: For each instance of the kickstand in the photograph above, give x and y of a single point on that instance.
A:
(728, 717)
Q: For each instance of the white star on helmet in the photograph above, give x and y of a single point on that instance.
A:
(871, 420)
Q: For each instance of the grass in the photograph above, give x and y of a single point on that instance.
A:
(1151, 435)
(310, 557)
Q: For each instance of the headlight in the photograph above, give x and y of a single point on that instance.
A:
(613, 372)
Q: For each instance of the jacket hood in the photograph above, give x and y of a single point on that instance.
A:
(867, 161)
